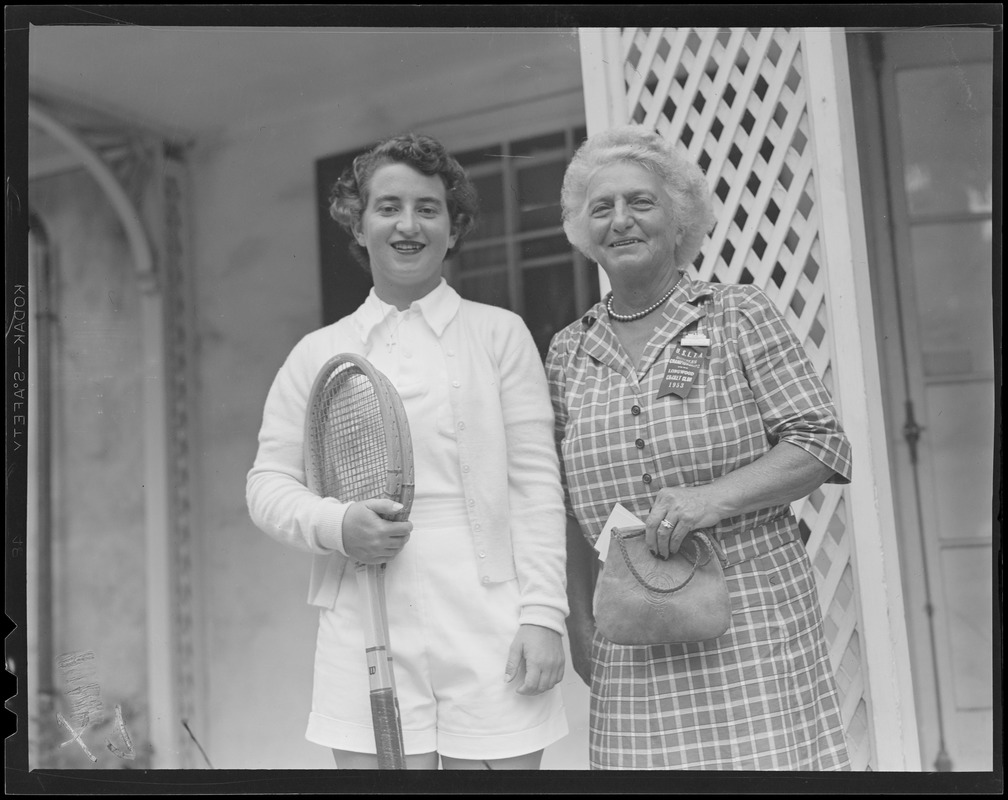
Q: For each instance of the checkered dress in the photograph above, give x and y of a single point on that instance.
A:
(762, 696)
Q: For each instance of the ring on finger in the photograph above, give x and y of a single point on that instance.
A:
(666, 524)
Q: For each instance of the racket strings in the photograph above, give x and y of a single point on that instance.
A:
(349, 439)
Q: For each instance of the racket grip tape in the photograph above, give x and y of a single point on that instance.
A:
(387, 729)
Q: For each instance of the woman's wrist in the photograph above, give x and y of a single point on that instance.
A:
(717, 502)
(544, 616)
(327, 525)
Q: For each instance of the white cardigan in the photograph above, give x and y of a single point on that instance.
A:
(504, 431)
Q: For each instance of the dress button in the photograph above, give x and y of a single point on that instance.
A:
(635, 410)
(486, 579)
(451, 352)
(646, 478)
(640, 444)
(456, 384)
(461, 426)
(482, 555)
(465, 468)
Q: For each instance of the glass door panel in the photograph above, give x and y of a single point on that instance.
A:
(947, 122)
(940, 111)
(952, 281)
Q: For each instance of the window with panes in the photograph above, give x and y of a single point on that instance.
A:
(518, 256)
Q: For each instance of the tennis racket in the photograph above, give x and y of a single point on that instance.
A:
(357, 447)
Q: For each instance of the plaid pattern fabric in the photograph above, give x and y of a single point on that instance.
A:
(762, 696)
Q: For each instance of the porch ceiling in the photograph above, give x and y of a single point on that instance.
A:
(190, 81)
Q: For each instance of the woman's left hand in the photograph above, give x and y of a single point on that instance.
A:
(540, 651)
(675, 513)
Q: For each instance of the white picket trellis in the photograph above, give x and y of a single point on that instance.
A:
(766, 114)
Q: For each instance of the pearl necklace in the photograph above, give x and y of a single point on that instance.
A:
(639, 314)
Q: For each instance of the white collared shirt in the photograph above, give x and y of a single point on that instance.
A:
(482, 359)
(405, 347)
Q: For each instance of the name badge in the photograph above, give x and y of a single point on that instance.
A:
(681, 372)
(694, 340)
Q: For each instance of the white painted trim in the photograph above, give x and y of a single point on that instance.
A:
(892, 719)
(162, 690)
(601, 78)
(604, 93)
(186, 545)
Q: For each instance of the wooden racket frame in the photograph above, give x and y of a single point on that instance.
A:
(399, 486)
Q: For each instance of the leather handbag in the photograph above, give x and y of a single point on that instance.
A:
(642, 599)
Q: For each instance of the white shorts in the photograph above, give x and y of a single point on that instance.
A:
(449, 635)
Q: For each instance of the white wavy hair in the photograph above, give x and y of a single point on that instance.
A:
(683, 181)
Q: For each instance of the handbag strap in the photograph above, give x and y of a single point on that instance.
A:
(700, 559)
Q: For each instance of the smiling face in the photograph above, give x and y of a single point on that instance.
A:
(632, 230)
(406, 229)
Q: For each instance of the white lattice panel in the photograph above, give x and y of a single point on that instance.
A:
(735, 102)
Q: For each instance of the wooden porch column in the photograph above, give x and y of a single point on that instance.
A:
(857, 392)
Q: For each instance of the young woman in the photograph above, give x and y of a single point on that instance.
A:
(475, 580)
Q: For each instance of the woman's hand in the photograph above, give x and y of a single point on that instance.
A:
(540, 651)
(370, 538)
(674, 514)
(782, 475)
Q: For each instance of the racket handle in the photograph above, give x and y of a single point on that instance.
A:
(387, 730)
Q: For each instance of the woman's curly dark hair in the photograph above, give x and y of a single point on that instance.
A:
(349, 195)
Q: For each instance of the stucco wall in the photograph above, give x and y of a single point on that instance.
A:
(255, 256)
(97, 533)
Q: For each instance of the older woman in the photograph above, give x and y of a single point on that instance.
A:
(475, 580)
(751, 430)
